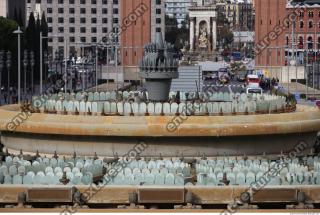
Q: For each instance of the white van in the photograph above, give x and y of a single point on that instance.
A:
(256, 90)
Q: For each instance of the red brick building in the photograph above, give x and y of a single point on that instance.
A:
(305, 29)
(141, 19)
(268, 14)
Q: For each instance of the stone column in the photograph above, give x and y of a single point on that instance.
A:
(214, 34)
(191, 34)
(197, 34)
(209, 32)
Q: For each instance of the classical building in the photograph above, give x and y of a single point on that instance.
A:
(203, 26)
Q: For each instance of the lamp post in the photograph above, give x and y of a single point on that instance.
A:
(19, 32)
(8, 70)
(25, 65)
(32, 62)
(41, 57)
(1, 67)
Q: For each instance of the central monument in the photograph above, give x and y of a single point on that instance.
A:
(158, 67)
(203, 29)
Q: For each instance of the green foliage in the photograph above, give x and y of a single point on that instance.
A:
(175, 35)
(7, 38)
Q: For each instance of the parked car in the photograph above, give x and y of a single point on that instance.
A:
(253, 81)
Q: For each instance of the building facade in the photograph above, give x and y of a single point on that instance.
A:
(148, 17)
(300, 36)
(240, 14)
(3, 8)
(76, 22)
(268, 15)
(178, 9)
(13, 9)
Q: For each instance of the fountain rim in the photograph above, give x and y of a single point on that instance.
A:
(305, 119)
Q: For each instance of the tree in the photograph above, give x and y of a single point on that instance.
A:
(8, 42)
(31, 33)
(174, 34)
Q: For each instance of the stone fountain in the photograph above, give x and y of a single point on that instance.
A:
(158, 67)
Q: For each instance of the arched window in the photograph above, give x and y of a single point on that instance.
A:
(318, 45)
(310, 42)
(301, 24)
(310, 13)
(300, 42)
(310, 24)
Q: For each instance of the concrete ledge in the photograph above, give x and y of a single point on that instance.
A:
(306, 119)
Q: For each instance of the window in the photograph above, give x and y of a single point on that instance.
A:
(301, 14)
(71, 20)
(115, 20)
(82, 1)
(104, 30)
(158, 29)
(93, 1)
(71, 10)
(82, 30)
(71, 1)
(71, 30)
(158, 20)
(93, 20)
(60, 20)
(104, 1)
(310, 42)
(104, 20)
(60, 29)
(93, 39)
(60, 39)
(158, 2)
(60, 10)
(83, 39)
(158, 11)
(49, 19)
(49, 1)
(310, 24)
(50, 29)
(310, 14)
(301, 24)
(104, 11)
(83, 20)
(93, 10)
(115, 11)
(115, 2)
(72, 39)
(82, 10)
(49, 10)
(93, 30)
(60, 1)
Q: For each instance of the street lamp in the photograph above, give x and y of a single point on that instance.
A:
(41, 59)
(8, 70)
(25, 65)
(19, 32)
(32, 62)
(1, 67)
